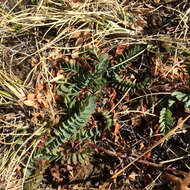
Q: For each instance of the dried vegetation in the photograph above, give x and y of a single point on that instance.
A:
(94, 94)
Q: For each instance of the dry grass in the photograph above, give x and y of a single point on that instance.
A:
(35, 36)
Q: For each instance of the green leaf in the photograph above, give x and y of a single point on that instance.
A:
(80, 159)
(74, 158)
(128, 56)
(187, 104)
(183, 97)
(166, 120)
(171, 102)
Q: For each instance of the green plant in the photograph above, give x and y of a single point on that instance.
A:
(121, 83)
(76, 156)
(124, 85)
(182, 97)
(127, 56)
(16, 27)
(79, 107)
(166, 120)
(68, 129)
(70, 89)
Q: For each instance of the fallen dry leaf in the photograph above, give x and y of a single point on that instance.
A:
(116, 132)
(9, 116)
(44, 103)
(35, 114)
(55, 172)
(74, 34)
(31, 96)
(180, 184)
(48, 96)
(132, 176)
(75, 5)
(34, 62)
(79, 41)
(120, 48)
(39, 88)
(39, 96)
(30, 103)
(157, 1)
(75, 54)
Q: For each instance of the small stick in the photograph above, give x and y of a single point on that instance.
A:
(120, 155)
